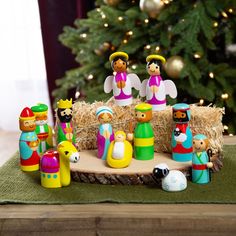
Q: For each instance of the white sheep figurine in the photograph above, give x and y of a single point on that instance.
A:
(172, 180)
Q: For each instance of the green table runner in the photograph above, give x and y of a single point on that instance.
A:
(19, 187)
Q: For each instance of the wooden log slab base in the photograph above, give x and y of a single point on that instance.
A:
(90, 169)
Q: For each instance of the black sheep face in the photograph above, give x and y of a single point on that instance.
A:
(160, 172)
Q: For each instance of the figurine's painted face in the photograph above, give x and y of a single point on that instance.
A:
(105, 118)
(154, 67)
(144, 116)
(41, 118)
(119, 64)
(27, 125)
(200, 145)
(119, 137)
(180, 116)
(64, 115)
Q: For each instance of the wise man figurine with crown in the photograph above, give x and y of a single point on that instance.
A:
(65, 127)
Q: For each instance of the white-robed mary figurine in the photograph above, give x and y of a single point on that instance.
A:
(154, 88)
(121, 83)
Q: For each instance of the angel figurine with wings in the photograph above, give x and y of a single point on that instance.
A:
(154, 88)
(121, 83)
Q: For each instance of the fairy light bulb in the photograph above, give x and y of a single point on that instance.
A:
(83, 35)
(129, 33)
(225, 96)
(231, 135)
(230, 10)
(134, 66)
(98, 10)
(226, 127)
(103, 16)
(90, 76)
(146, 21)
(147, 47)
(215, 24)
(166, 2)
(125, 41)
(120, 18)
(211, 75)
(157, 48)
(197, 55)
(224, 14)
(77, 94)
(106, 25)
(201, 101)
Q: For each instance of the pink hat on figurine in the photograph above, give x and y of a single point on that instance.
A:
(50, 162)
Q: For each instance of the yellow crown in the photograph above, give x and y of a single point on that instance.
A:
(63, 104)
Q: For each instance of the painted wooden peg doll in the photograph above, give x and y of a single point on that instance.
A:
(143, 134)
(29, 142)
(105, 133)
(65, 127)
(200, 160)
(154, 88)
(181, 140)
(120, 151)
(43, 130)
(121, 83)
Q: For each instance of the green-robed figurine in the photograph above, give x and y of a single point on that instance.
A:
(143, 133)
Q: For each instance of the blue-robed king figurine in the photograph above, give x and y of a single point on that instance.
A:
(201, 161)
(181, 140)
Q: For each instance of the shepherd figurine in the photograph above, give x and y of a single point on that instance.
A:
(121, 83)
(201, 161)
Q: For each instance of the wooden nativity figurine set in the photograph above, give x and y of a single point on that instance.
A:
(117, 149)
(36, 144)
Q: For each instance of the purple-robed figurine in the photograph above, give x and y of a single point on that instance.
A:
(105, 133)
(154, 88)
(121, 83)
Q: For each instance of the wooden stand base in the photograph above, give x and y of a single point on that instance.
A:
(90, 169)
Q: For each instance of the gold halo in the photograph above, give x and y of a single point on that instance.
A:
(118, 54)
(157, 57)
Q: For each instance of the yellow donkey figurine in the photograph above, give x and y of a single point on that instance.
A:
(55, 165)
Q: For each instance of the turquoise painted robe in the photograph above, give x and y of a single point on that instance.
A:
(200, 171)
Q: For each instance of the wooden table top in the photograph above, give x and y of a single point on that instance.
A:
(114, 219)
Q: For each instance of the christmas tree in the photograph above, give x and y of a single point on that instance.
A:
(194, 36)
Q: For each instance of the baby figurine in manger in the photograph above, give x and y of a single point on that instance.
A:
(121, 83)
(120, 151)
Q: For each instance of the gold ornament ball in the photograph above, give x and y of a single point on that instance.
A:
(152, 7)
(111, 2)
(174, 66)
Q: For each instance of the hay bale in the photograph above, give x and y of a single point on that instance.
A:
(205, 120)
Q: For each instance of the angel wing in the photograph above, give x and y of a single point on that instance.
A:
(170, 88)
(108, 84)
(142, 91)
(135, 81)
